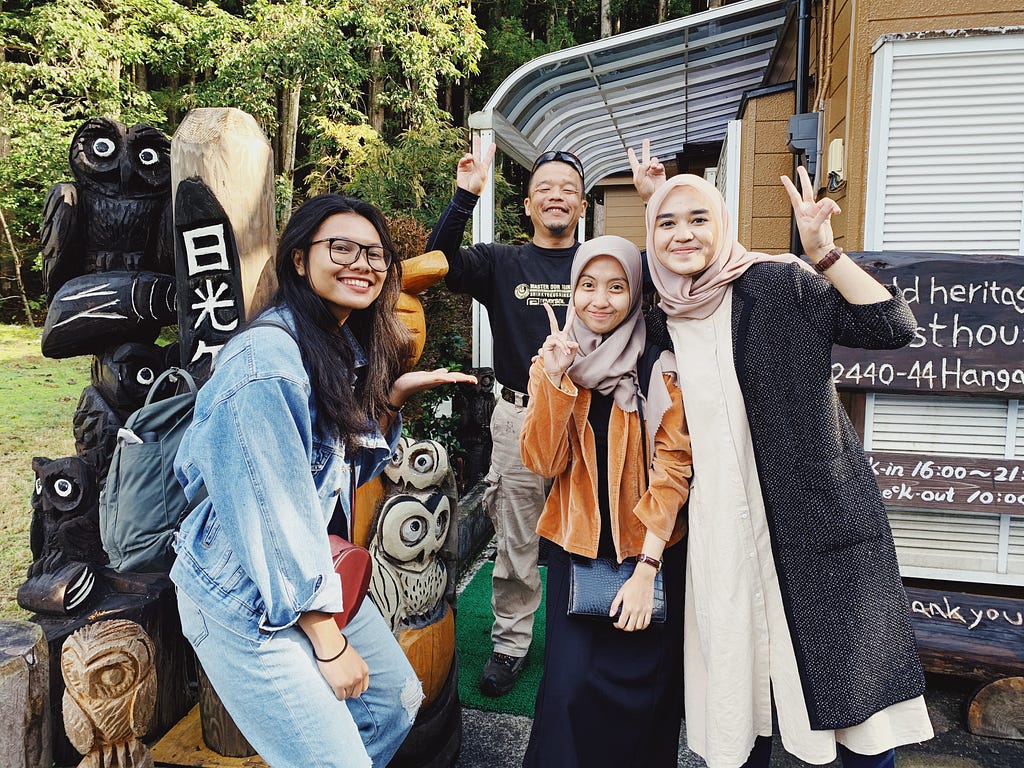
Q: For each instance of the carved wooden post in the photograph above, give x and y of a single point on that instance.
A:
(24, 689)
(109, 671)
(222, 179)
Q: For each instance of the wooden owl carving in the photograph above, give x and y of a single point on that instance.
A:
(116, 215)
(64, 537)
(412, 534)
(109, 675)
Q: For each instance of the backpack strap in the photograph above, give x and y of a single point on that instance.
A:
(172, 375)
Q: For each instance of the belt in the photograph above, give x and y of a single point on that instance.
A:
(516, 398)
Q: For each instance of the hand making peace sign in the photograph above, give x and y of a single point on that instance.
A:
(813, 217)
(471, 172)
(558, 351)
(648, 172)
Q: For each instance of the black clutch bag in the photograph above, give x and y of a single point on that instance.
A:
(593, 585)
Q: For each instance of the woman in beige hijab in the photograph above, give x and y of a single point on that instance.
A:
(793, 598)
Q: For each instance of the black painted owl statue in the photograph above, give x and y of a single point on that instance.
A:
(107, 241)
(64, 537)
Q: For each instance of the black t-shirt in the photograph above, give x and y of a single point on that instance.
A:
(511, 281)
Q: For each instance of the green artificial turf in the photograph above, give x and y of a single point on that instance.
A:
(473, 639)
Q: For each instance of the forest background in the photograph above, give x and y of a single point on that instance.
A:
(368, 97)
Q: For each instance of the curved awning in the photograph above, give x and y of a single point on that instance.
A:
(675, 83)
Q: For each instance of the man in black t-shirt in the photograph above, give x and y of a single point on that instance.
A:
(513, 282)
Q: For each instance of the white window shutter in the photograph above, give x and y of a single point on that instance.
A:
(946, 167)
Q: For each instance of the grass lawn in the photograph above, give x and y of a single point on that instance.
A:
(38, 398)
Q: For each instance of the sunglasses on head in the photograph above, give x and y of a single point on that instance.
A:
(557, 155)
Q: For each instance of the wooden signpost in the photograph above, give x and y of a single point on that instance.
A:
(970, 327)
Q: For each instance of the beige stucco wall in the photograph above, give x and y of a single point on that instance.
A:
(857, 27)
(763, 218)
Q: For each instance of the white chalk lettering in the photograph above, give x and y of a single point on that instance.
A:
(206, 249)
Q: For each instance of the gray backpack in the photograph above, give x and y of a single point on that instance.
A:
(142, 501)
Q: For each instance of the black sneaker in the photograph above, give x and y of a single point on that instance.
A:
(500, 674)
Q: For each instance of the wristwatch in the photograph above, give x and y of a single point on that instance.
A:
(652, 561)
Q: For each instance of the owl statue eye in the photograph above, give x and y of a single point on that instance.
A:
(63, 488)
(145, 376)
(423, 461)
(39, 486)
(103, 147)
(149, 156)
(398, 457)
(413, 531)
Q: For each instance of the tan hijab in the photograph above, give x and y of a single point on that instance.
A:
(692, 297)
(607, 363)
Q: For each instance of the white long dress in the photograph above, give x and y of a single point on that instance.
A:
(737, 649)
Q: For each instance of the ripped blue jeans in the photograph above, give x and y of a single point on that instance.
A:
(284, 707)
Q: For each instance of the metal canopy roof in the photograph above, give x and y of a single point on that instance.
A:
(675, 83)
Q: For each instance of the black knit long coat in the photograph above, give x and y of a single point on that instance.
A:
(844, 600)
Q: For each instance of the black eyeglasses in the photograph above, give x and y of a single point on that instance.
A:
(557, 155)
(344, 252)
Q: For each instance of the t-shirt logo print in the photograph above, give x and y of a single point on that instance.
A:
(535, 294)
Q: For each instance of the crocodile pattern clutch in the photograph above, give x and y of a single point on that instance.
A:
(593, 585)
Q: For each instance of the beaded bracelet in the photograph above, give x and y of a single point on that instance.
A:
(336, 656)
(392, 408)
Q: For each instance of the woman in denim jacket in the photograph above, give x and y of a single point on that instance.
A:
(302, 407)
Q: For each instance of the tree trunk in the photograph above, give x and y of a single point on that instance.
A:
(606, 18)
(289, 137)
(17, 270)
(376, 87)
(662, 10)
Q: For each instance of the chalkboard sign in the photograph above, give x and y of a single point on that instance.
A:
(916, 481)
(970, 327)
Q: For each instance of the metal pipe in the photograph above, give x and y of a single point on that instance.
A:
(803, 65)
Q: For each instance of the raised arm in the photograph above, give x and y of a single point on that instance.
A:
(814, 221)
(470, 177)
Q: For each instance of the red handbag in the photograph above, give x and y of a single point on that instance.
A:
(353, 566)
(351, 563)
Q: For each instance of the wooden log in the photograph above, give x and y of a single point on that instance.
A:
(997, 709)
(24, 691)
(226, 148)
(968, 635)
(219, 731)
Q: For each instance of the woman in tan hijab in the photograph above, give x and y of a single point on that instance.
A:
(793, 593)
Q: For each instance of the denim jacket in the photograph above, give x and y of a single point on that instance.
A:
(254, 555)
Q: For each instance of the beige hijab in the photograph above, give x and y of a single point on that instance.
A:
(697, 297)
(607, 363)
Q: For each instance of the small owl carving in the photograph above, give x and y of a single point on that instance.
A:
(411, 534)
(116, 215)
(65, 519)
(418, 464)
(109, 672)
(64, 537)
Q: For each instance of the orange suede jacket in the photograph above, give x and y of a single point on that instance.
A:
(557, 441)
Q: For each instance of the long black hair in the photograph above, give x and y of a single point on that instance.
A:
(348, 411)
